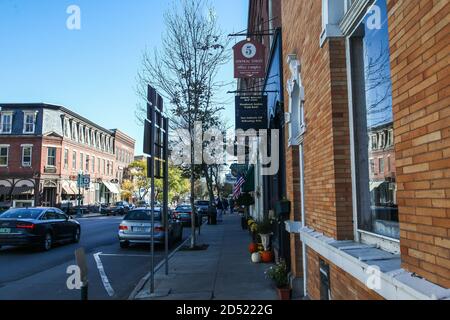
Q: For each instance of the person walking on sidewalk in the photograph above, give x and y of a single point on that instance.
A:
(219, 210)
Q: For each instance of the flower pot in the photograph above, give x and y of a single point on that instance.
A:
(267, 256)
(265, 239)
(284, 293)
(256, 257)
(253, 247)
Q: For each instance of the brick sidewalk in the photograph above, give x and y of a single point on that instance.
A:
(222, 272)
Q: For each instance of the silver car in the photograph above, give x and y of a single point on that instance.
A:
(136, 228)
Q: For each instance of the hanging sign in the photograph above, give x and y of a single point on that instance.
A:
(249, 60)
(251, 112)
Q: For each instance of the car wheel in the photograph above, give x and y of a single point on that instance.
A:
(48, 242)
(76, 236)
(124, 245)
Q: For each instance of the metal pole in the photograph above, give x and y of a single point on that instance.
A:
(166, 190)
(152, 205)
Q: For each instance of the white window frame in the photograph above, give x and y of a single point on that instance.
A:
(25, 115)
(74, 160)
(66, 159)
(48, 157)
(332, 14)
(349, 23)
(2, 115)
(7, 147)
(24, 164)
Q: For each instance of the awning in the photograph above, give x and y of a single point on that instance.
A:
(5, 190)
(112, 187)
(23, 191)
(375, 184)
(68, 188)
(249, 185)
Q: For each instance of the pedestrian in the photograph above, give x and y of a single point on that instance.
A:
(219, 210)
(225, 206)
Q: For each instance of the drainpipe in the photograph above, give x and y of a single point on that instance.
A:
(302, 199)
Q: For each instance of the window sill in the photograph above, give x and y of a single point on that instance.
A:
(330, 31)
(359, 260)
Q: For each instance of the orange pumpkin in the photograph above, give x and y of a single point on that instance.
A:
(267, 256)
(253, 247)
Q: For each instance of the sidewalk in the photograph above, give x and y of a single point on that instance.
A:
(222, 272)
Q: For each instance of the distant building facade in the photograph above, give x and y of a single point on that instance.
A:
(44, 147)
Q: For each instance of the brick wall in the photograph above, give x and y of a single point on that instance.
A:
(343, 286)
(15, 168)
(327, 151)
(420, 48)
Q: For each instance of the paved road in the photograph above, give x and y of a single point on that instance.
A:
(26, 274)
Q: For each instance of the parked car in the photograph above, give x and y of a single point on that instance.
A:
(202, 207)
(136, 228)
(38, 227)
(183, 213)
(119, 208)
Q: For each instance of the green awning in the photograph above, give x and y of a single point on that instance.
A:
(249, 185)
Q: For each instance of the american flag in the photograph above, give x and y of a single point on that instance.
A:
(237, 187)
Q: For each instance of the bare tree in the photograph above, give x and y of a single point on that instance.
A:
(184, 71)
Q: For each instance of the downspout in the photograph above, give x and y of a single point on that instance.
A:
(302, 200)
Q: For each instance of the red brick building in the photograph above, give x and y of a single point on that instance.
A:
(367, 147)
(44, 147)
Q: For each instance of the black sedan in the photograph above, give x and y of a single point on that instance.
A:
(37, 227)
(183, 213)
(119, 208)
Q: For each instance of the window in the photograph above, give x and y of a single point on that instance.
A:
(81, 161)
(4, 154)
(369, 55)
(99, 166)
(51, 157)
(26, 156)
(104, 166)
(87, 163)
(381, 165)
(29, 121)
(93, 164)
(66, 128)
(74, 161)
(66, 159)
(6, 122)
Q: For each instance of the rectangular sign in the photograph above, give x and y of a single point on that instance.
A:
(251, 112)
(249, 60)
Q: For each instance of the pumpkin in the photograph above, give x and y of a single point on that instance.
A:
(253, 247)
(256, 257)
(266, 256)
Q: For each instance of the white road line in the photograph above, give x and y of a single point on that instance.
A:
(124, 255)
(103, 276)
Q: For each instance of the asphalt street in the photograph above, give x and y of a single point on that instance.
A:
(27, 274)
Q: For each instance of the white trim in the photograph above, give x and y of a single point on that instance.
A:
(353, 16)
(6, 113)
(395, 285)
(26, 165)
(34, 115)
(7, 146)
(385, 243)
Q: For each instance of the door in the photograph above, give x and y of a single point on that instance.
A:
(54, 222)
(66, 227)
(49, 197)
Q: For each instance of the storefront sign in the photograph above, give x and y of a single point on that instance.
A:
(249, 60)
(251, 112)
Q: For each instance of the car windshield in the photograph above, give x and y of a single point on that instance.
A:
(183, 208)
(119, 203)
(21, 214)
(142, 215)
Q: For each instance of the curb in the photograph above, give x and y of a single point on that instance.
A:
(144, 280)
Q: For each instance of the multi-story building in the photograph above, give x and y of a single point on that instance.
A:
(44, 147)
(124, 151)
(367, 147)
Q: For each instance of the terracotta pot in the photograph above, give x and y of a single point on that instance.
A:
(284, 293)
(267, 256)
(253, 247)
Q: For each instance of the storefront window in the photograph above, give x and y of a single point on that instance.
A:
(373, 124)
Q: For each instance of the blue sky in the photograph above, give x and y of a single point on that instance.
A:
(92, 71)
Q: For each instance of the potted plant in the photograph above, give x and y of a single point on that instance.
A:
(279, 274)
(265, 231)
